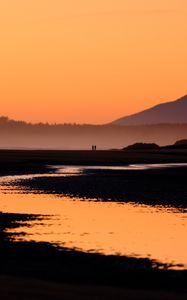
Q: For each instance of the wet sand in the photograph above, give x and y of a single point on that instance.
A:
(87, 271)
(43, 260)
(152, 186)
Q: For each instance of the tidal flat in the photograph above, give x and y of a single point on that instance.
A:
(77, 225)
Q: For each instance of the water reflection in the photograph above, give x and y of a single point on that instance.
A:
(107, 227)
(78, 170)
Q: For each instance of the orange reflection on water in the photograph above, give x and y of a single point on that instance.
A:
(105, 227)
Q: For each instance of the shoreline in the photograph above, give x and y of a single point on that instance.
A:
(18, 162)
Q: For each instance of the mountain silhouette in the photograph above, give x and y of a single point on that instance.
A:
(170, 112)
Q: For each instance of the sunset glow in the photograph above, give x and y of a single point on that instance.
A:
(90, 61)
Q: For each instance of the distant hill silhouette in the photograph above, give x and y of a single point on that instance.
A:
(171, 113)
(142, 146)
(181, 144)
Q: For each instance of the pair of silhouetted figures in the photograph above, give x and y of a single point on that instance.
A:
(94, 148)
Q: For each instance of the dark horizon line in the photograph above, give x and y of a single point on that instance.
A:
(6, 119)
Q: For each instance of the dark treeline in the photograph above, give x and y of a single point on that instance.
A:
(19, 134)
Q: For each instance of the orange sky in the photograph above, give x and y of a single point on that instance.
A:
(90, 61)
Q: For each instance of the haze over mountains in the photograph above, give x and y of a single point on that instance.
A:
(174, 112)
(163, 124)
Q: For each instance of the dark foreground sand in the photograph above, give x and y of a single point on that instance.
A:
(34, 158)
(31, 289)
